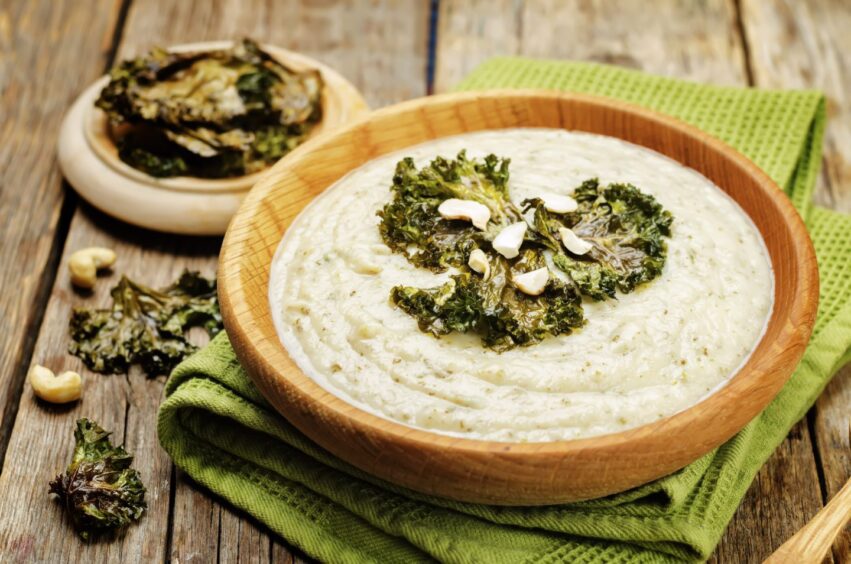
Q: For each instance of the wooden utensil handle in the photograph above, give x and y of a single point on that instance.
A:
(812, 542)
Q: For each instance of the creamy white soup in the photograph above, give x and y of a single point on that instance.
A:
(646, 355)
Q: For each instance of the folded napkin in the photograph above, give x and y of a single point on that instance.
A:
(217, 427)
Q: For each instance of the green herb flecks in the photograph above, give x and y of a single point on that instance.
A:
(99, 490)
(145, 326)
(211, 114)
(625, 227)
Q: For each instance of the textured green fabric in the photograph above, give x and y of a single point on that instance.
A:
(221, 432)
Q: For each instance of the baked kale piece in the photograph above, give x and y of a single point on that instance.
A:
(145, 326)
(210, 114)
(492, 307)
(625, 228)
(99, 490)
(411, 225)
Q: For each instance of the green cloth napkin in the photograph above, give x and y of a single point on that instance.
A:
(218, 428)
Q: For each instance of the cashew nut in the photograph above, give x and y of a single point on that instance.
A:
(479, 262)
(558, 203)
(532, 283)
(509, 240)
(572, 241)
(474, 212)
(85, 263)
(64, 388)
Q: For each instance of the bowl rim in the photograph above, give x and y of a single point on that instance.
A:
(298, 387)
(98, 131)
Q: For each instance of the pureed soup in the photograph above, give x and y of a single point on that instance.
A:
(570, 348)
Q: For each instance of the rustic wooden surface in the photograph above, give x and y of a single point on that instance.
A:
(49, 50)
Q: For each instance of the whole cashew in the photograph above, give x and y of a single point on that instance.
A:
(64, 388)
(85, 263)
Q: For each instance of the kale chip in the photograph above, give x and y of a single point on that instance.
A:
(99, 490)
(625, 227)
(145, 326)
(211, 114)
(492, 307)
(410, 223)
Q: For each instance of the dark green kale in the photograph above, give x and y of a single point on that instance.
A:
(145, 326)
(211, 114)
(411, 225)
(99, 490)
(624, 226)
(492, 307)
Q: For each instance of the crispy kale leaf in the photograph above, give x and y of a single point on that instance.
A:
(145, 326)
(411, 225)
(492, 307)
(211, 114)
(624, 226)
(99, 490)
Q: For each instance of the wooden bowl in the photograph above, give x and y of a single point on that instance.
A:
(89, 158)
(501, 472)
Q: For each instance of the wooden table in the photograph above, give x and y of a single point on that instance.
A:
(392, 51)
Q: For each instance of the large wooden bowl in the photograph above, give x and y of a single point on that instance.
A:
(500, 472)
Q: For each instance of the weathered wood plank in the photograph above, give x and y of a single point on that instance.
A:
(796, 44)
(389, 63)
(807, 45)
(246, 541)
(41, 444)
(48, 52)
(291, 556)
(693, 40)
(832, 428)
(192, 542)
(379, 45)
(772, 511)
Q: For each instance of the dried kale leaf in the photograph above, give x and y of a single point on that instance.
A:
(212, 114)
(624, 226)
(492, 307)
(145, 326)
(411, 225)
(99, 490)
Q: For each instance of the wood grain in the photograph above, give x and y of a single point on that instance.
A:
(48, 52)
(813, 542)
(388, 66)
(500, 472)
(832, 427)
(695, 40)
(796, 44)
(774, 509)
(378, 45)
(41, 444)
(807, 45)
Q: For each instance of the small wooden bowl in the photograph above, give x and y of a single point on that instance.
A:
(500, 472)
(183, 204)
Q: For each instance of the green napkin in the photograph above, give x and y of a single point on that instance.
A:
(218, 428)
